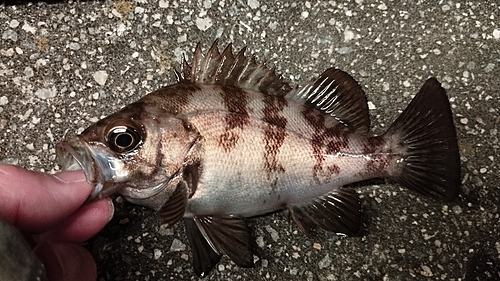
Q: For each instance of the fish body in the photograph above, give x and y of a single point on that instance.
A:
(251, 160)
(232, 140)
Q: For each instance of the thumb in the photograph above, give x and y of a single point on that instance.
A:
(34, 201)
(66, 261)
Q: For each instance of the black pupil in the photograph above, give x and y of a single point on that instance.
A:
(124, 140)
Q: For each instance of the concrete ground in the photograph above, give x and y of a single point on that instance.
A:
(64, 66)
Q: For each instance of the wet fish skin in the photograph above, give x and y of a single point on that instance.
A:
(232, 140)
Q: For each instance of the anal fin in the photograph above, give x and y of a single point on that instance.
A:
(337, 211)
(204, 257)
(228, 235)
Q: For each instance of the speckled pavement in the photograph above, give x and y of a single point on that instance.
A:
(63, 66)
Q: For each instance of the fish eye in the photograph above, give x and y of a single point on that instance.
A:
(123, 138)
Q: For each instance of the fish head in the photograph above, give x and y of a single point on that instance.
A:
(135, 152)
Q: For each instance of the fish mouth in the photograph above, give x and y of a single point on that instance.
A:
(75, 154)
(104, 171)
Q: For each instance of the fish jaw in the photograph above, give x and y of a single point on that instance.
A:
(74, 154)
(103, 170)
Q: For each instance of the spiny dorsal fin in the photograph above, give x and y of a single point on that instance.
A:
(337, 94)
(229, 70)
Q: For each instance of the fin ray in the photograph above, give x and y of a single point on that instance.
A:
(173, 210)
(426, 132)
(229, 235)
(204, 257)
(337, 211)
(337, 94)
(228, 69)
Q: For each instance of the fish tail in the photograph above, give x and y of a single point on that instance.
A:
(429, 162)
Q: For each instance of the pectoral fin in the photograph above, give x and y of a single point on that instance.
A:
(337, 211)
(204, 257)
(229, 236)
(173, 210)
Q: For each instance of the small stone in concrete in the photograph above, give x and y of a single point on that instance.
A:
(100, 77)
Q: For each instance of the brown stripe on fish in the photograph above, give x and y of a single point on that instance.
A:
(325, 141)
(336, 140)
(375, 145)
(236, 101)
(377, 165)
(317, 122)
(274, 134)
(151, 169)
(379, 153)
(228, 140)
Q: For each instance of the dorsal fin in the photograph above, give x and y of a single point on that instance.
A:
(229, 70)
(337, 94)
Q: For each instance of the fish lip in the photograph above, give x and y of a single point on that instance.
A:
(76, 152)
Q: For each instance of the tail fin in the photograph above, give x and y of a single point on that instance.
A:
(430, 162)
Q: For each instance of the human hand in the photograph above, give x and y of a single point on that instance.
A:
(49, 211)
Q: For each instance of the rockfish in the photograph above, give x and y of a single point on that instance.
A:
(233, 140)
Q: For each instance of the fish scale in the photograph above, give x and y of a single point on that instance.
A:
(233, 140)
(215, 127)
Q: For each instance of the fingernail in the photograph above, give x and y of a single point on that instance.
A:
(112, 208)
(70, 176)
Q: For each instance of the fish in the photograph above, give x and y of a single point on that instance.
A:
(231, 140)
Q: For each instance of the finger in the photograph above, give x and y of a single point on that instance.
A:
(82, 224)
(34, 201)
(66, 261)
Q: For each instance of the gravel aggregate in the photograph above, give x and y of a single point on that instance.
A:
(65, 65)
